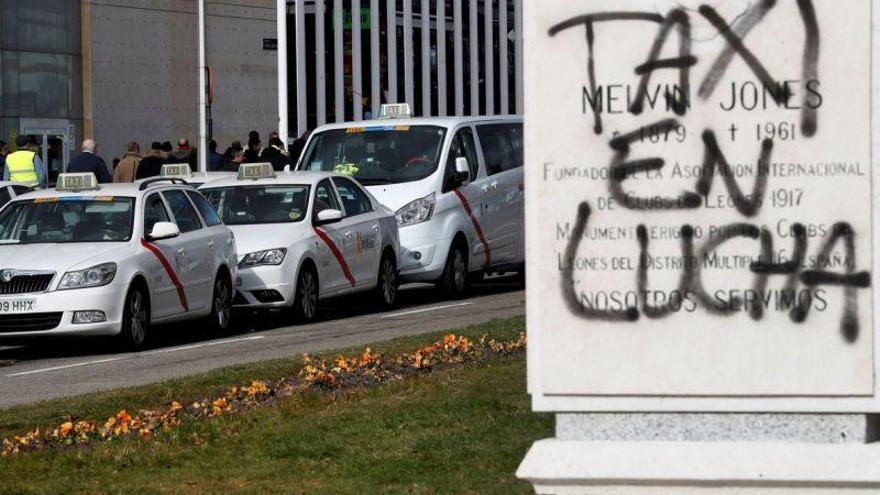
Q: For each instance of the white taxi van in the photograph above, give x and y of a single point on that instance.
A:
(306, 236)
(112, 259)
(456, 185)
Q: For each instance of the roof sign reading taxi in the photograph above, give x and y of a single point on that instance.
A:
(77, 182)
(255, 171)
(395, 111)
(176, 170)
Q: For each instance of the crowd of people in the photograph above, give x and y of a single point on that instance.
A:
(25, 165)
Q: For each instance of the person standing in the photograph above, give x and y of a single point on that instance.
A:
(24, 166)
(126, 171)
(184, 154)
(274, 154)
(215, 160)
(253, 151)
(89, 161)
(4, 150)
(151, 164)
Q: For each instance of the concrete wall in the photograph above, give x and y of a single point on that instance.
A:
(144, 70)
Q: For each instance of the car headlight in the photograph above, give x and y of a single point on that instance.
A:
(268, 257)
(95, 276)
(416, 212)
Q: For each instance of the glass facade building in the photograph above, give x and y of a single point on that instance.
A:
(41, 75)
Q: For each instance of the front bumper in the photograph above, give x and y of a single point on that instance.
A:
(423, 254)
(264, 287)
(47, 308)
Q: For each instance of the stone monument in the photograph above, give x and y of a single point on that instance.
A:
(701, 223)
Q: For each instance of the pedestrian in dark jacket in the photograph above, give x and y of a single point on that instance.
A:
(184, 154)
(88, 161)
(4, 150)
(253, 151)
(215, 160)
(274, 154)
(151, 165)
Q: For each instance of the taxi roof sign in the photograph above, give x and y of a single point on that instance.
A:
(395, 111)
(77, 182)
(255, 171)
(176, 170)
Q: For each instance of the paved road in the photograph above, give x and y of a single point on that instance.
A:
(60, 369)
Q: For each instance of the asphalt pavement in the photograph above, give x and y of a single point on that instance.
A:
(52, 369)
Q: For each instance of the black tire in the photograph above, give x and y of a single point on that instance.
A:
(454, 281)
(135, 318)
(305, 300)
(221, 305)
(387, 283)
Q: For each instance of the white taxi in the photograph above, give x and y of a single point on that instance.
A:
(456, 184)
(112, 259)
(306, 236)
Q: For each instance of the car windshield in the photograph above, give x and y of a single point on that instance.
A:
(377, 154)
(50, 220)
(246, 205)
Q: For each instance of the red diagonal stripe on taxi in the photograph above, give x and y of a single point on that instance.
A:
(170, 271)
(470, 212)
(342, 264)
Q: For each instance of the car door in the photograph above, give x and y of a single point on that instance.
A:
(194, 253)
(364, 223)
(221, 243)
(162, 266)
(501, 147)
(334, 243)
(467, 198)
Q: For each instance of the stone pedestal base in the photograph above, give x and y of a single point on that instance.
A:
(777, 461)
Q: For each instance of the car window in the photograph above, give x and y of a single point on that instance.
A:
(462, 146)
(208, 213)
(249, 205)
(356, 202)
(4, 196)
(502, 147)
(154, 212)
(19, 190)
(184, 214)
(56, 220)
(324, 198)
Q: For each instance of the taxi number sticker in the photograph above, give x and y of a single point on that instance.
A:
(57, 199)
(294, 215)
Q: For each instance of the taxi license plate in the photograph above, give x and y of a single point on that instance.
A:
(17, 305)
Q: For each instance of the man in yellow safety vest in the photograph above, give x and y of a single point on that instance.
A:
(24, 166)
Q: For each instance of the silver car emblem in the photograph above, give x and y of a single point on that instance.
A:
(6, 276)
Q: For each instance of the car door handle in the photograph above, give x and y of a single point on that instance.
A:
(211, 244)
(181, 251)
(485, 187)
(494, 185)
(347, 233)
(376, 228)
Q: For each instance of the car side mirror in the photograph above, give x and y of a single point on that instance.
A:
(329, 216)
(164, 230)
(462, 170)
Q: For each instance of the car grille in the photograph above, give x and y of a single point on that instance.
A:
(26, 284)
(29, 322)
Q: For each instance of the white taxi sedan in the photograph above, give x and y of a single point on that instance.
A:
(9, 190)
(84, 259)
(306, 236)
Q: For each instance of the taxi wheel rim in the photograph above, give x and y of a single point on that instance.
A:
(389, 288)
(138, 315)
(308, 295)
(221, 304)
(459, 271)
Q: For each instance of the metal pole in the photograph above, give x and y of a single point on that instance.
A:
(301, 96)
(203, 118)
(357, 70)
(283, 106)
(320, 63)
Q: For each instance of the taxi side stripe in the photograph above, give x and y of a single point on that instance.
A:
(470, 212)
(342, 264)
(181, 294)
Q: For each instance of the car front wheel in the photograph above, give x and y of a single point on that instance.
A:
(305, 302)
(387, 284)
(221, 305)
(454, 281)
(135, 318)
